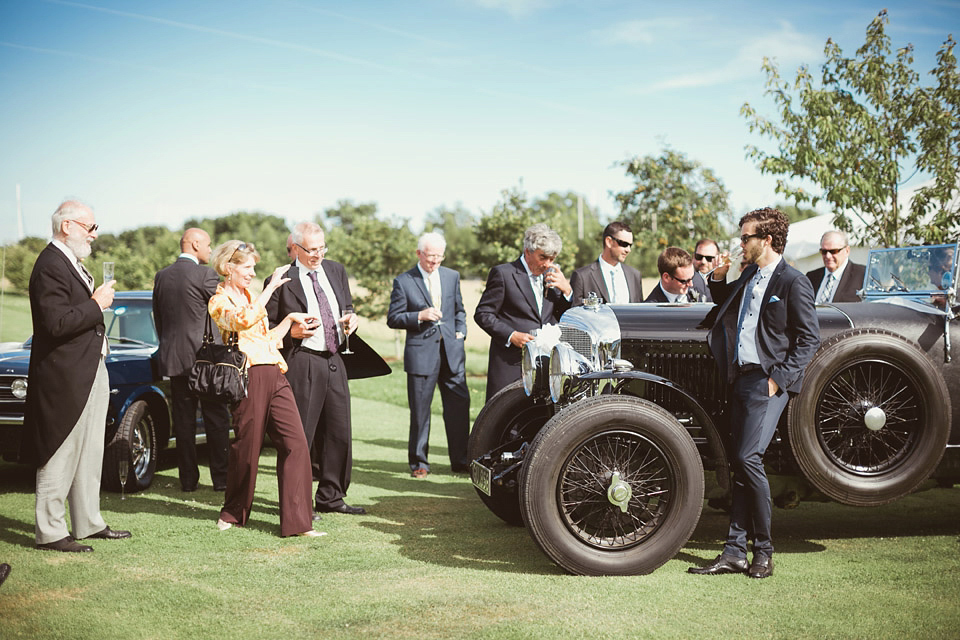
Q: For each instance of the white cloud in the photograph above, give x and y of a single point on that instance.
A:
(634, 32)
(516, 8)
(788, 47)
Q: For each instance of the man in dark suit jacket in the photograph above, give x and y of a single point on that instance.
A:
(764, 334)
(676, 275)
(316, 370)
(519, 297)
(180, 296)
(705, 256)
(66, 408)
(846, 277)
(610, 271)
(426, 302)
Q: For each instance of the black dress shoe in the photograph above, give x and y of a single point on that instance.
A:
(345, 508)
(189, 488)
(67, 545)
(722, 564)
(110, 534)
(317, 517)
(219, 487)
(761, 567)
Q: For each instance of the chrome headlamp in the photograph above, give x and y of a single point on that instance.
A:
(533, 369)
(19, 388)
(565, 365)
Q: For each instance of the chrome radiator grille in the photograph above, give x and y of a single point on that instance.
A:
(688, 364)
(578, 339)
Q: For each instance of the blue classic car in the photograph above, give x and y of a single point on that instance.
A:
(138, 420)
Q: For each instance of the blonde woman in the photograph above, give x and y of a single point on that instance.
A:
(269, 405)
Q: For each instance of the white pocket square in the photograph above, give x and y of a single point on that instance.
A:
(774, 298)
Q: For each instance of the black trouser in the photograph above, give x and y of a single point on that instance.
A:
(216, 424)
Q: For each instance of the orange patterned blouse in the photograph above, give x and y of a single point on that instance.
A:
(256, 339)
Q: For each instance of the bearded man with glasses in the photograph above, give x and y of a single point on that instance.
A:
(676, 277)
(840, 278)
(764, 333)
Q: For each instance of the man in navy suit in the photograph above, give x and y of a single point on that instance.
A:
(764, 334)
(839, 279)
(676, 277)
(519, 297)
(316, 370)
(181, 292)
(609, 277)
(66, 411)
(426, 302)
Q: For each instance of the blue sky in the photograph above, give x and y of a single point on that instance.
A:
(156, 111)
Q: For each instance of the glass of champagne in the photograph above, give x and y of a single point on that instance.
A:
(727, 258)
(124, 469)
(107, 272)
(345, 321)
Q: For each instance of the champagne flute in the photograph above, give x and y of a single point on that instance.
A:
(727, 258)
(107, 272)
(345, 321)
(124, 468)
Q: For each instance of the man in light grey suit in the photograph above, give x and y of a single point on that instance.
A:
(426, 302)
(608, 277)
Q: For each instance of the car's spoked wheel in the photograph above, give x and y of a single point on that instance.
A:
(612, 485)
(135, 442)
(872, 420)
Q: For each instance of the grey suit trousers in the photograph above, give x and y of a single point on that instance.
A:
(72, 474)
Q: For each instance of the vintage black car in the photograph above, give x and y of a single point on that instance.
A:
(607, 447)
(138, 420)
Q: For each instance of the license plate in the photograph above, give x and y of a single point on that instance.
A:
(480, 476)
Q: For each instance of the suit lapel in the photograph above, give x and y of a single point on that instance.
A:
(599, 282)
(421, 285)
(295, 287)
(71, 268)
(523, 284)
(771, 287)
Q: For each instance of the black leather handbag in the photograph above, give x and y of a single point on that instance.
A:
(220, 372)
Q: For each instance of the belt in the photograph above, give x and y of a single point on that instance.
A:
(322, 354)
(743, 369)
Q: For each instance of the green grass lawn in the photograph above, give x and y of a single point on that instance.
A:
(430, 561)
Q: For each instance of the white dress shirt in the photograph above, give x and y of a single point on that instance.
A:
(616, 282)
(318, 341)
(826, 278)
(753, 293)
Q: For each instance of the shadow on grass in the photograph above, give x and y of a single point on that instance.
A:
(458, 535)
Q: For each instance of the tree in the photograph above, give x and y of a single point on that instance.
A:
(458, 227)
(373, 250)
(676, 201)
(855, 135)
(500, 232)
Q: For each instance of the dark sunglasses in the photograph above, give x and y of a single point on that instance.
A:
(240, 247)
(700, 256)
(745, 238)
(824, 252)
(681, 280)
(88, 228)
(622, 243)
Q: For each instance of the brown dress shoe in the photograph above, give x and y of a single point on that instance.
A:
(109, 534)
(419, 473)
(67, 545)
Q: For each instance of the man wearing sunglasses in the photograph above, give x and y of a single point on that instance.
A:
(66, 412)
(704, 260)
(764, 333)
(676, 275)
(610, 277)
(840, 278)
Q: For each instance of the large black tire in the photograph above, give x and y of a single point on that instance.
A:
(568, 487)
(854, 372)
(508, 417)
(135, 442)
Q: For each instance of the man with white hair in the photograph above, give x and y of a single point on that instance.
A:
(66, 408)
(426, 302)
(521, 296)
(839, 278)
